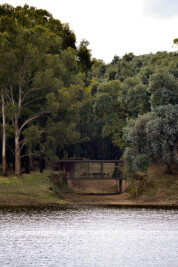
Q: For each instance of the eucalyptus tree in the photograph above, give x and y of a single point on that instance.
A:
(32, 16)
(84, 56)
(32, 139)
(163, 88)
(109, 110)
(154, 134)
(134, 97)
(62, 124)
(28, 67)
(4, 165)
(125, 67)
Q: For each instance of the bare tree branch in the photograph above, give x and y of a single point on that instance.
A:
(37, 115)
(30, 91)
(11, 150)
(7, 96)
(26, 104)
(12, 95)
(22, 146)
(23, 156)
(30, 80)
(21, 142)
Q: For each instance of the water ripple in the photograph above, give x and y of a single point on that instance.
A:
(89, 237)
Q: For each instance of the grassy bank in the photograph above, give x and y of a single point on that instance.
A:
(159, 186)
(30, 189)
(36, 189)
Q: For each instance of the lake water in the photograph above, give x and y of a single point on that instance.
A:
(89, 236)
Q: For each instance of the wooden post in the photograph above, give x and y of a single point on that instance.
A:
(116, 170)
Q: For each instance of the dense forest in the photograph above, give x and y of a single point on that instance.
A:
(59, 102)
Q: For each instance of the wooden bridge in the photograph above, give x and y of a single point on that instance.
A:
(93, 176)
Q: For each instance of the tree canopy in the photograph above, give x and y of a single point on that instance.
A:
(59, 102)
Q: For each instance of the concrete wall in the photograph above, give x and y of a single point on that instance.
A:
(111, 186)
(125, 186)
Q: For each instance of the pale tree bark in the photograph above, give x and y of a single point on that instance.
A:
(18, 77)
(17, 149)
(21, 102)
(19, 144)
(20, 97)
(4, 165)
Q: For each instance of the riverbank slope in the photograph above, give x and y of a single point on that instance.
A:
(32, 189)
(36, 189)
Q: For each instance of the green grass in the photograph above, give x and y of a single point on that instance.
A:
(37, 189)
(29, 189)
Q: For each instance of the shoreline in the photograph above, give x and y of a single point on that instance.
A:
(128, 204)
(36, 190)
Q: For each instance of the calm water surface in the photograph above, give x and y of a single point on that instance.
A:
(89, 237)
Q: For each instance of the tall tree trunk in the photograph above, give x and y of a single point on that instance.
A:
(30, 161)
(41, 163)
(27, 167)
(4, 165)
(44, 164)
(17, 150)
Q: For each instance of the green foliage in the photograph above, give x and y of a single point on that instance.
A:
(134, 98)
(9, 131)
(131, 189)
(145, 74)
(154, 134)
(29, 16)
(52, 104)
(102, 70)
(128, 57)
(115, 60)
(138, 185)
(162, 134)
(84, 103)
(135, 162)
(143, 163)
(84, 55)
(106, 98)
(68, 37)
(112, 75)
(94, 88)
(49, 150)
(106, 105)
(32, 137)
(59, 134)
(163, 88)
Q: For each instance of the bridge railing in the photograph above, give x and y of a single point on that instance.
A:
(91, 169)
